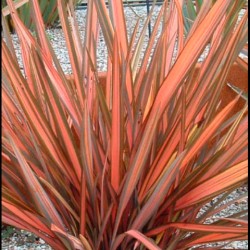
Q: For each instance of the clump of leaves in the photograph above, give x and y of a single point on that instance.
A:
(127, 158)
(7, 232)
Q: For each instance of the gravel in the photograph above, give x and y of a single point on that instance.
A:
(24, 240)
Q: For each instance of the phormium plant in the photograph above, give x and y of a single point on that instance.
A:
(124, 159)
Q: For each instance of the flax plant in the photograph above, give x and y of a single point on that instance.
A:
(124, 159)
